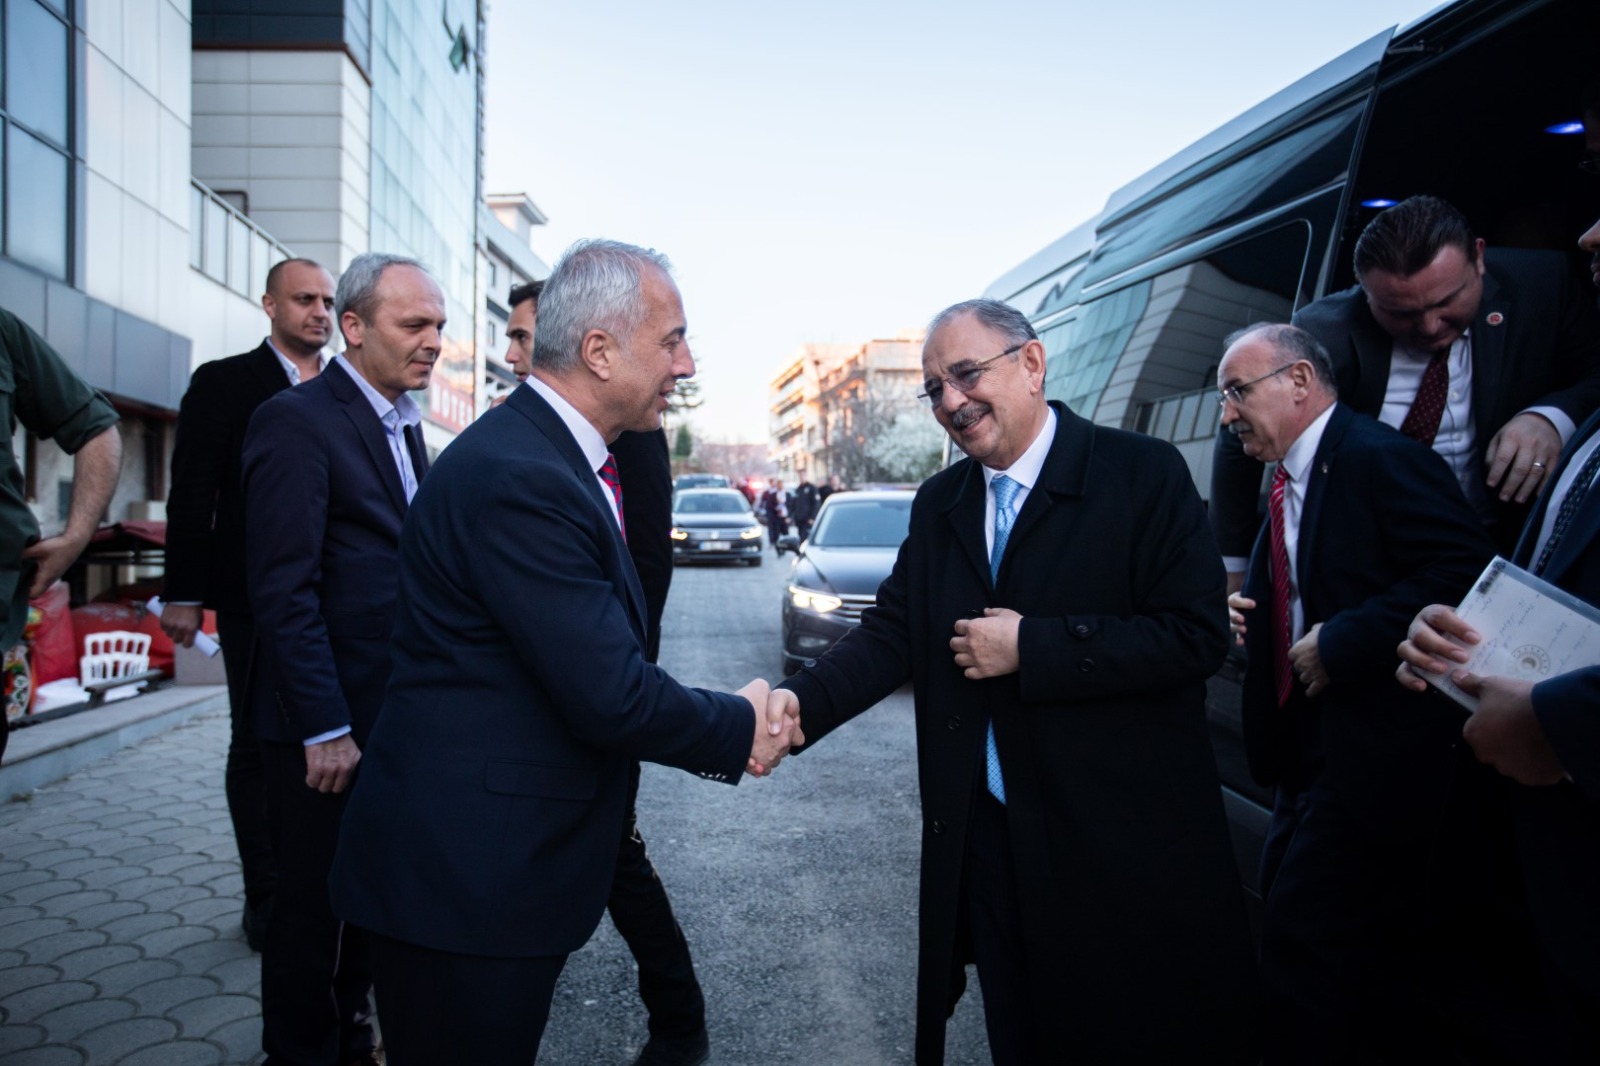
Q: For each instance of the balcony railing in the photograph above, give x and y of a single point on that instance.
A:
(227, 247)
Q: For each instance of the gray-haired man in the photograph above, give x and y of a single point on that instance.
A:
(329, 471)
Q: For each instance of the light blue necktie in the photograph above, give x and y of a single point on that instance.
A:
(1005, 493)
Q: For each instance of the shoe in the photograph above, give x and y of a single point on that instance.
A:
(254, 924)
(675, 1050)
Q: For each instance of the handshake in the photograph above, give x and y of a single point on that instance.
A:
(777, 726)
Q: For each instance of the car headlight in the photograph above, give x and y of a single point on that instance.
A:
(751, 534)
(809, 600)
(679, 534)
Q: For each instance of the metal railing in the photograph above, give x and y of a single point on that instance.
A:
(226, 246)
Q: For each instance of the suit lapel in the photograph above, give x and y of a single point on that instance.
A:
(1316, 491)
(529, 404)
(1374, 351)
(1064, 475)
(369, 428)
(965, 514)
(1583, 528)
(1489, 359)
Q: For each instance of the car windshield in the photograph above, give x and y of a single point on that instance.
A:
(862, 524)
(711, 503)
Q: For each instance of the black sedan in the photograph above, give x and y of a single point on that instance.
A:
(838, 569)
(714, 524)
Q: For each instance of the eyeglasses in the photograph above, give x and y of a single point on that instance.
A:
(1237, 393)
(964, 380)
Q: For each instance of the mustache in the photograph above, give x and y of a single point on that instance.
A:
(968, 415)
(1239, 426)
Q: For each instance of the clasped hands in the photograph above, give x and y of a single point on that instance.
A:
(777, 726)
(1305, 658)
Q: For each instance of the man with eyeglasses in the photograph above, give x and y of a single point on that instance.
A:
(1364, 527)
(1489, 356)
(1058, 606)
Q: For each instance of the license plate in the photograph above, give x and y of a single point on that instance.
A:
(715, 545)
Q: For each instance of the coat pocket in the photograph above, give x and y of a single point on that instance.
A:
(539, 779)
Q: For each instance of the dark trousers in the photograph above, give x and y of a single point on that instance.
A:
(643, 915)
(1393, 944)
(441, 1008)
(994, 918)
(244, 779)
(316, 978)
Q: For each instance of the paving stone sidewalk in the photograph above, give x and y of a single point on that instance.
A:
(119, 914)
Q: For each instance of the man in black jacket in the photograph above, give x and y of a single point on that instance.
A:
(1501, 341)
(205, 532)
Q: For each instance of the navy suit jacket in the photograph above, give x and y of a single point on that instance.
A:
(324, 505)
(205, 508)
(1558, 828)
(1384, 532)
(1542, 351)
(492, 792)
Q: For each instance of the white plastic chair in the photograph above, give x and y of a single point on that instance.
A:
(113, 654)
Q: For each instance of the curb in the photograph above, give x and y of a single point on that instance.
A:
(40, 754)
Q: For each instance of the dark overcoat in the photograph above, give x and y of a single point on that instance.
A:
(1137, 941)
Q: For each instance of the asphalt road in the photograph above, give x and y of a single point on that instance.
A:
(798, 893)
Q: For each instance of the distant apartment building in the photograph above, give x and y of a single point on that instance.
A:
(157, 157)
(829, 399)
(506, 259)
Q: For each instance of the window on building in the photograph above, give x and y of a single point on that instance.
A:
(34, 148)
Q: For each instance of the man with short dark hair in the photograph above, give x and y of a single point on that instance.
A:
(330, 468)
(638, 903)
(205, 534)
(1489, 356)
(1057, 606)
(1365, 526)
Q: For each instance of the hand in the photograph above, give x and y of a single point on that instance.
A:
(1505, 733)
(331, 764)
(1238, 603)
(987, 646)
(1307, 662)
(53, 555)
(1526, 440)
(1428, 645)
(777, 728)
(181, 621)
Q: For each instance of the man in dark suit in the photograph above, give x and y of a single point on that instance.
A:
(1545, 737)
(205, 533)
(480, 842)
(1507, 347)
(638, 905)
(1364, 527)
(1074, 844)
(329, 470)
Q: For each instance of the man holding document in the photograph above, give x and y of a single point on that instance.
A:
(1545, 735)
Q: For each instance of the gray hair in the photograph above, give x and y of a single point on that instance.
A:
(598, 284)
(358, 285)
(1004, 319)
(1292, 345)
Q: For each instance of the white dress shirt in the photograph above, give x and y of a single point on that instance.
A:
(1297, 463)
(1025, 472)
(289, 366)
(590, 442)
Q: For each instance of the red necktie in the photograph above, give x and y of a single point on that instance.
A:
(1282, 609)
(1422, 421)
(608, 474)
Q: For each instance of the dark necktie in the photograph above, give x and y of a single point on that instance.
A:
(1283, 610)
(608, 474)
(1422, 421)
(1569, 507)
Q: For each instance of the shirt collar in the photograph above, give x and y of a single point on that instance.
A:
(1026, 470)
(590, 442)
(404, 410)
(288, 365)
(1297, 460)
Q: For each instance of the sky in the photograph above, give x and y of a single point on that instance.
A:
(841, 170)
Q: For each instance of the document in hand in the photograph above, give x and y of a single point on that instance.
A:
(1530, 630)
